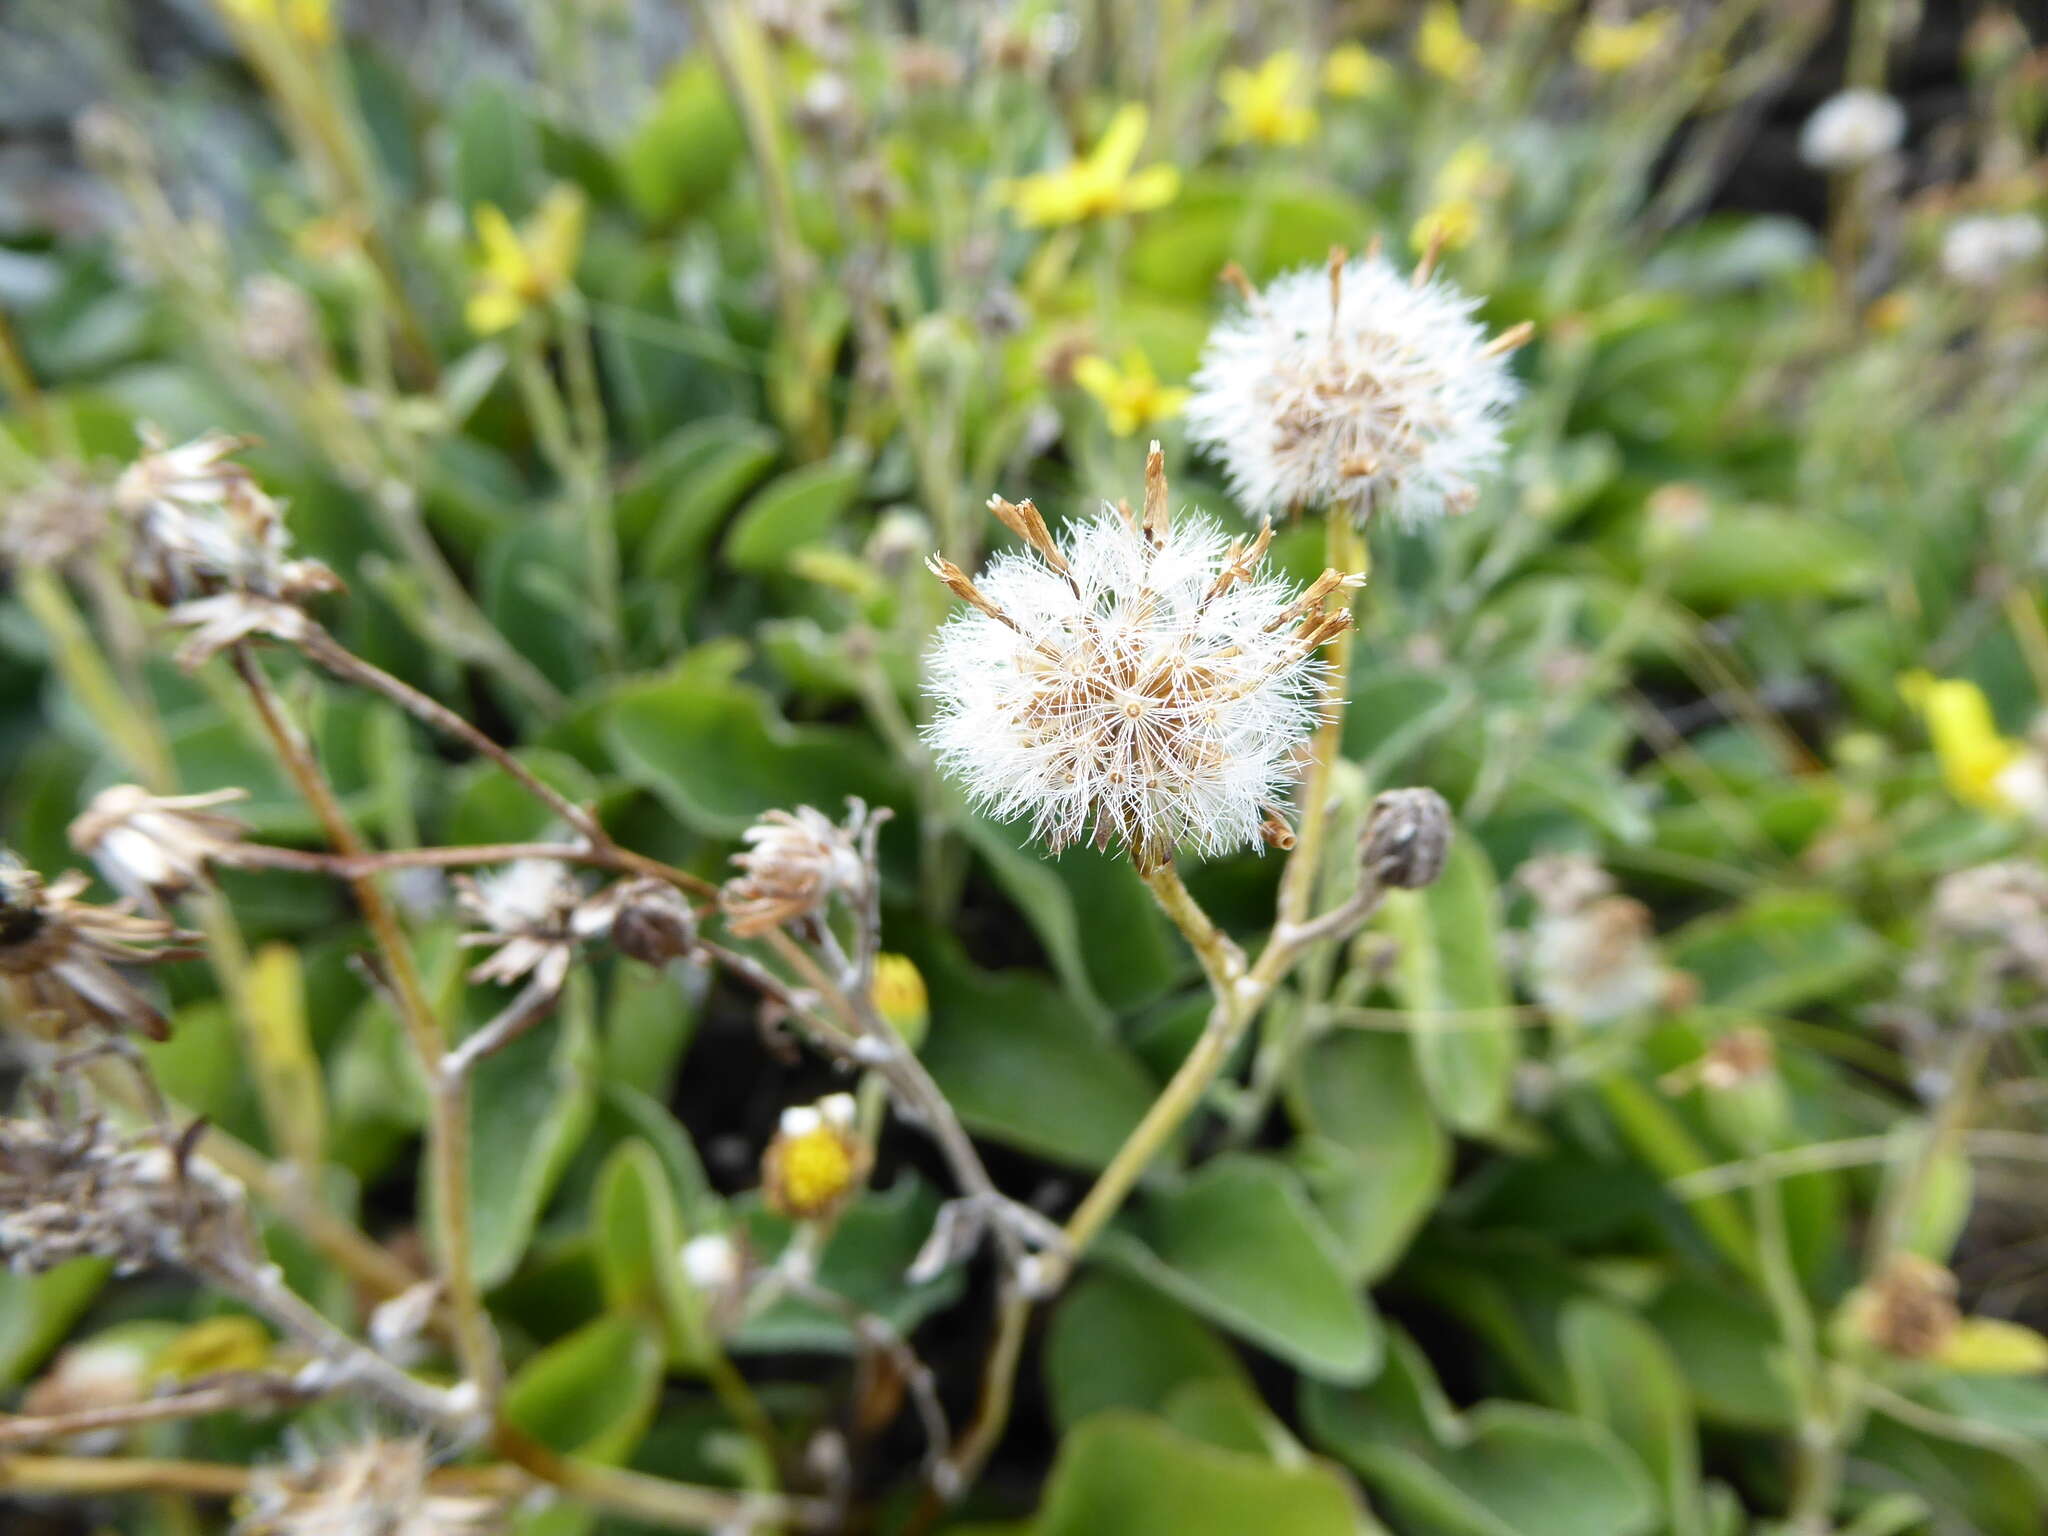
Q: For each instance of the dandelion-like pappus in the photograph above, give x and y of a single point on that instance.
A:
(1139, 681)
(1354, 386)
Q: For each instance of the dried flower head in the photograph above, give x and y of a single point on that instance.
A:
(155, 848)
(377, 1488)
(2003, 905)
(1980, 251)
(1851, 129)
(76, 1191)
(814, 1160)
(1139, 682)
(648, 920)
(531, 910)
(1355, 386)
(206, 542)
(59, 956)
(276, 323)
(53, 522)
(795, 863)
(717, 1265)
(1907, 1309)
(1591, 953)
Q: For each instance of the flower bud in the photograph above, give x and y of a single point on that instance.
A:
(652, 922)
(900, 998)
(1407, 838)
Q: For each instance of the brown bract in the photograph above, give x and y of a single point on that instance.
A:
(59, 956)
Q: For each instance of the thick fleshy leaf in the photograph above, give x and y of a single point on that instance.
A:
(1622, 1376)
(1240, 1244)
(593, 1392)
(792, 511)
(1116, 1343)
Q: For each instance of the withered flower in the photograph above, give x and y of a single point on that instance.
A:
(208, 544)
(795, 863)
(155, 848)
(77, 1191)
(1907, 1309)
(532, 910)
(377, 1488)
(53, 522)
(648, 920)
(59, 956)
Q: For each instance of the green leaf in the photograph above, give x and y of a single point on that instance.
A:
(592, 1393)
(683, 464)
(1726, 1346)
(497, 151)
(638, 1234)
(530, 1106)
(37, 1311)
(1778, 951)
(865, 1260)
(1240, 1244)
(1020, 1064)
(1114, 1343)
(1661, 1139)
(1622, 1376)
(791, 511)
(1044, 898)
(1265, 226)
(1501, 1469)
(685, 148)
(717, 754)
(490, 806)
(1126, 1474)
(1449, 976)
(1372, 1157)
(1757, 554)
(719, 469)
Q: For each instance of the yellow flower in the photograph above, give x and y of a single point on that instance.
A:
(1262, 104)
(900, 998)
(1098, 184)
(1974, 757)
(1613, 47)
(1467, 175)
(521, 268)
(1351, 69)
(1442, 47)
(1132, 398)
(1450, 226)
(814, 1161)
(311, 20)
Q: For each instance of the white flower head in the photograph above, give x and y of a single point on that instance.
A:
(1980, 250)
(154, 848)
(1355, 385)
(1139, 681)
(377, 1486)
(1852, 128)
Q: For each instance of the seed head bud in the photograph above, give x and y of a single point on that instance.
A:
(1407, 838)
(900, 998)
(650, 921)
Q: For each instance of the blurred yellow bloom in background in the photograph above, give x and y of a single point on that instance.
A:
(1974, 757)
(1262, 103)
(1449, 226)
(520, 269)
(1133, 397)
(1614, 47)
(312, 20)
(1441, 46)
(1352, 69)
(1454, 219)
(1101, 182)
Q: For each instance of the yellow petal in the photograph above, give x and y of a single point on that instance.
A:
(1153, 187)
(1355, 70)
(1117, 150)
(1098, 376)
(501, 253)
(1966, 739)
(1990, 1346)
(1168, 403)
(558, 235)
(493, 308)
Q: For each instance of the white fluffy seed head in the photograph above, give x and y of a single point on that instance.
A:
(1355, 385)
(1852, 128)
(1142, 684)
(1981, 249)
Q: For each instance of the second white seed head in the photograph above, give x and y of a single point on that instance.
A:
(1354, 386)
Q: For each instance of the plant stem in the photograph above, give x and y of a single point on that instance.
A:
(1344, 549)
(656, 1500)
(86, 1475)
(476, 1342)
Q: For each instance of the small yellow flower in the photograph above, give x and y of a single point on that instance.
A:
(520, 269)
(1469, 174)
(1100, 183)
(1974, 757)
(1263, 104)
(1615, 47)
(1441, 46)
(1132, 398)
(214, 1347)
(814, 1161)
(900, 998)
(1450, 226)
(1352, 69)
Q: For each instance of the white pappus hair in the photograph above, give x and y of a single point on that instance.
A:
(1354, 386)
(1139, 682)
